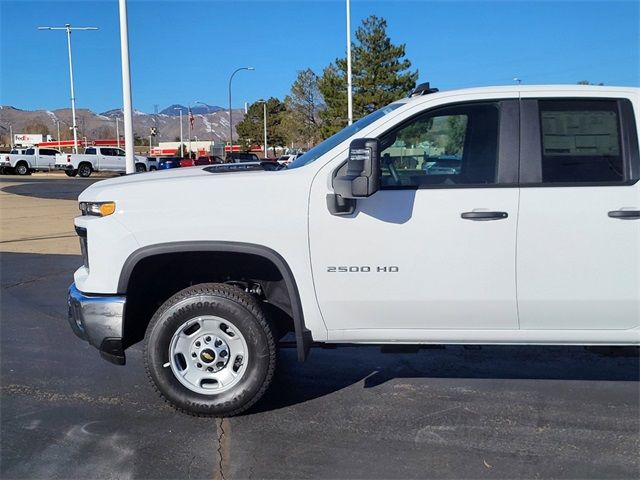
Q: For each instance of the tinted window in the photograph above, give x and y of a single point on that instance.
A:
(580, 141)
(30, 151)
(451, 146)
(46, 151)
(90, 151)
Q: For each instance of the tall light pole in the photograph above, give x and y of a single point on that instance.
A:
(264, 106)
(118, 131)
(349, 85)
(181, 147)
(230, 115)
(127, 102)
(58, 125)
(68, 28)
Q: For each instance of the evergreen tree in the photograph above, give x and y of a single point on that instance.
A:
(380, 75)
(251, 129)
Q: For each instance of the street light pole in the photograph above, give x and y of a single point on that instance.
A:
(349, 85)
(58, 125)
(264, 106)
(181, 148)
(230, 114)
(127, 102)
(68, 28)
(118, 131)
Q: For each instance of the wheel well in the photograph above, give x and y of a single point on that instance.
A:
(22, 162)
(85, 163)
(156, 278)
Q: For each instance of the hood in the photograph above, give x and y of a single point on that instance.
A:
(161, 183)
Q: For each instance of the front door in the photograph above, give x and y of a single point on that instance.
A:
(435, 248)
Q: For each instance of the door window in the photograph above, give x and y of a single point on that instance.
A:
(451, 146)
(580, 141)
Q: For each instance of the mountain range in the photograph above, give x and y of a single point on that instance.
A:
(210, 122)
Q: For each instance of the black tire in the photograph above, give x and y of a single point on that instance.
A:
(140, 168)
(244, 313)
(84, 170)
(71, 173)
(22, 169)
(152, 168)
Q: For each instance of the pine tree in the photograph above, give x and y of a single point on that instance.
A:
(380, 75)
(251, 128)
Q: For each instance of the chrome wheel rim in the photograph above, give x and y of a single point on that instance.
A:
(208, 355)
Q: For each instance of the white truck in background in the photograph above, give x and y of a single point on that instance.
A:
(31, 160)
(100, 159)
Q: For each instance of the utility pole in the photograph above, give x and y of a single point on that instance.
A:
(68, 28)
(127, 101)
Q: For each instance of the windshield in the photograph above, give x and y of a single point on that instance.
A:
(322, 148)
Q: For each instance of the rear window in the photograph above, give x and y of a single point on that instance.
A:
(90, 151)
(580, 141)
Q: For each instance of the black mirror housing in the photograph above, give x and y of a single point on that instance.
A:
(362, 178)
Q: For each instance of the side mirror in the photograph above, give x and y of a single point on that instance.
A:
(362, 178)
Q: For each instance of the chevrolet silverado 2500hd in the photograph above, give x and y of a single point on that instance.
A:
(502, 215)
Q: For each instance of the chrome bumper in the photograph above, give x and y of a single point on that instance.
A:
(98, 320)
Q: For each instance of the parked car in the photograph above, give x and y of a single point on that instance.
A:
(165, 163)
(534, 239)
(99, 159)
(31, 160)
(287, 159)
(240, 157)
(206, 160)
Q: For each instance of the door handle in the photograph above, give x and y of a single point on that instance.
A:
(625, 214)
(483, 216)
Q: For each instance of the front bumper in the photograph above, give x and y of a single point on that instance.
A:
(98, 319)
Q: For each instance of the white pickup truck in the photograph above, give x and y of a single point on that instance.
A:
(31, 160)
(502, 215)
(100, 159)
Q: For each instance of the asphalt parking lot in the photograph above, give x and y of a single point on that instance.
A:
(498, 412)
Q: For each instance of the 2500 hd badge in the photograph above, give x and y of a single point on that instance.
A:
(363, 269)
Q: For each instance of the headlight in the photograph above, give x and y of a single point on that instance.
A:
(99, 209)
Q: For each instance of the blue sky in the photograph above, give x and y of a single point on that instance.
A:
(183, 51)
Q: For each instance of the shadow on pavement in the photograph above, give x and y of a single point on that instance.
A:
(53, 189)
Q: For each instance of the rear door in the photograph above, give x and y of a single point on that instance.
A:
(46, 158)
(579, 223)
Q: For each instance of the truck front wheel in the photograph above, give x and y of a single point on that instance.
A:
(210, 350)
